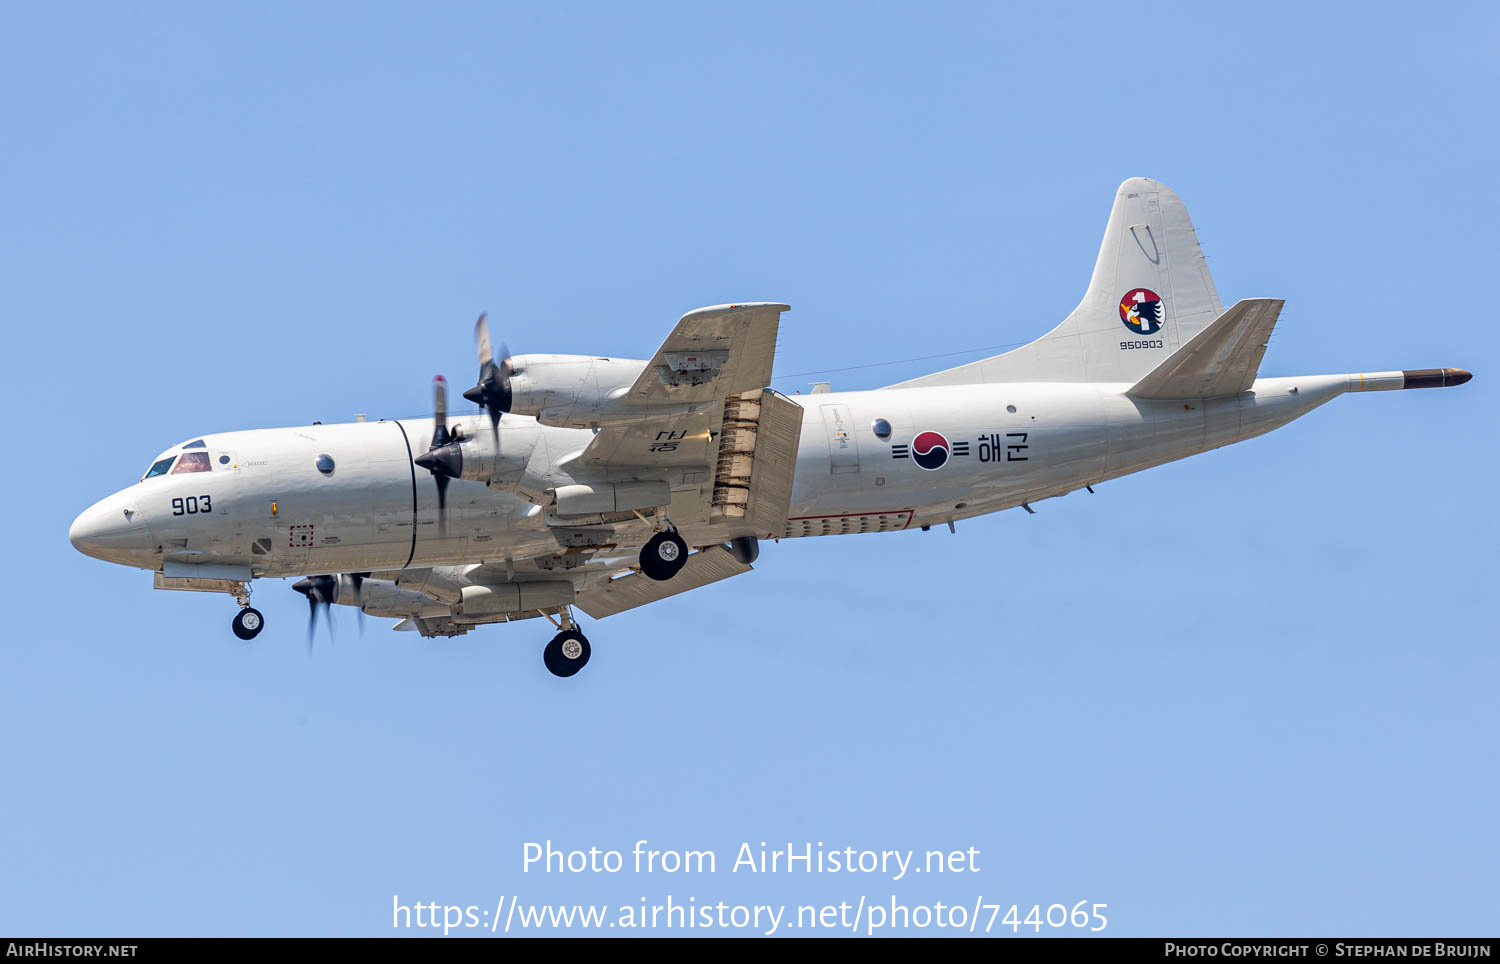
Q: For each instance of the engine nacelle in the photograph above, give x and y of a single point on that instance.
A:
(605, 497)
(579, 391)
(563, 390)
(382, 597)
(513, 597)
(475, 454)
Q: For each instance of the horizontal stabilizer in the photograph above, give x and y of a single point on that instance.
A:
(1222, 359)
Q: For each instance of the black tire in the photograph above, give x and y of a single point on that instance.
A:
(248, 623)
(663, 556)
(568, 653)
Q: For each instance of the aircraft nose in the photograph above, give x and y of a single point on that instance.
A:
(112, 530)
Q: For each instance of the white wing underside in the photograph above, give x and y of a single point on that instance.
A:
(629, 592)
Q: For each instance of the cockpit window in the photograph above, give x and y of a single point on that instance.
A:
(159, 468)
(192, 462)
(195, 444)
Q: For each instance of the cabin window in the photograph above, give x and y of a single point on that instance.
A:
(325, 464)
(192, 462)
(159, 468)
(881, 428)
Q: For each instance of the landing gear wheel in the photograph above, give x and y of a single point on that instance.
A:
(663, 556)
(567, 653)
(248, 623)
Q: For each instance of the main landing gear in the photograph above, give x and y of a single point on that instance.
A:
(663, 555)
(568, 653)
(569, 650)
(247, 622)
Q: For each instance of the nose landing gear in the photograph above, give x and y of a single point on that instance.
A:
(248, 622)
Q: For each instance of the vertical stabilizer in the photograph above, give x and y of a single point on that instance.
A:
(1151, 292)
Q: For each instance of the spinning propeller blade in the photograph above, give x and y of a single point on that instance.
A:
(320, 591)
(444, 459)
(492, 393)
(357, 579)
(444, 463)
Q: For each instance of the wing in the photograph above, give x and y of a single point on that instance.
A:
(451, 600)
(628, 592)
(712, 353)
(1222, 359)
(729, 468)
(707, 426)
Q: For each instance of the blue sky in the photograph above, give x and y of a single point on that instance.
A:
(1251, 693)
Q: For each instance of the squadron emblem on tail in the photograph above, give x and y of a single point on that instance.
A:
(1141, 311)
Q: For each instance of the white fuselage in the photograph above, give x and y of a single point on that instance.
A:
(610, 465)
(265, 504)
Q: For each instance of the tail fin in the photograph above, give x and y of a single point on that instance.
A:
(1151, 292)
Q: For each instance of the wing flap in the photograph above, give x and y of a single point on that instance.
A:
(1222, 359)
(755, 486)
(634, 590)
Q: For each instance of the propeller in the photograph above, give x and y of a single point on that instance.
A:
(444, 458)
(324, 591)
(443, 461)
(320, 591)
(357, 580)
(493, 391)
